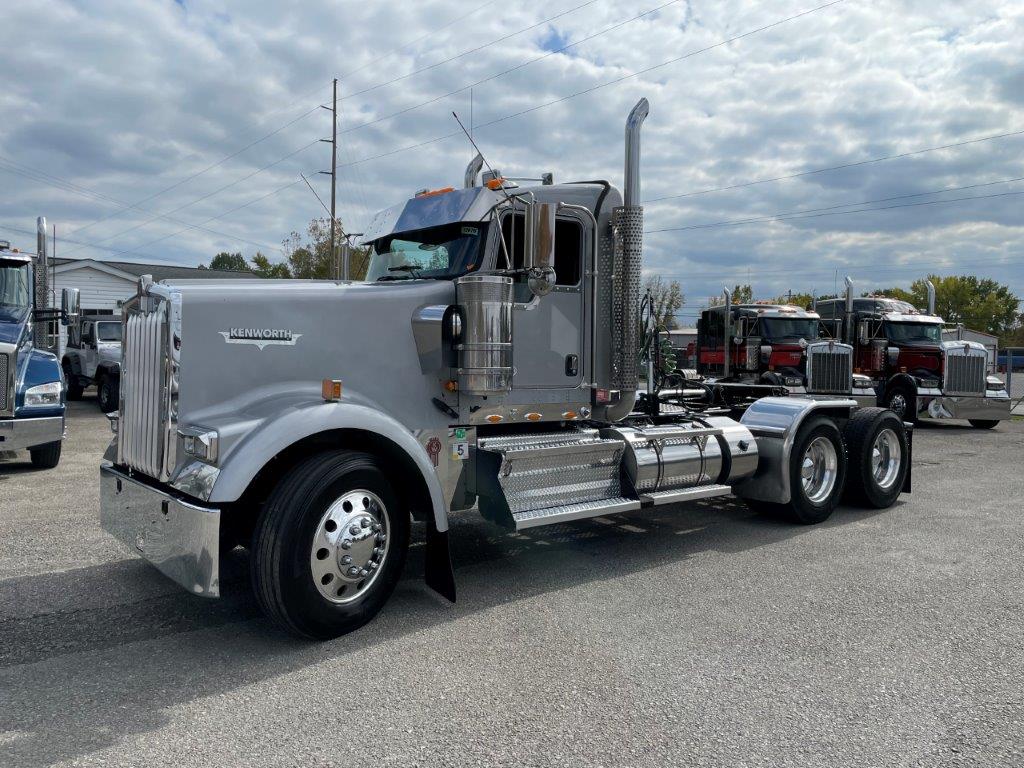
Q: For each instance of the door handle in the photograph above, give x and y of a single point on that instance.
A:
(572, 365)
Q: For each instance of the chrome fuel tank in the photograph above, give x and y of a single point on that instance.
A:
(686, 455)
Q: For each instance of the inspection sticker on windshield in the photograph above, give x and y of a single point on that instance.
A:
(470, 231)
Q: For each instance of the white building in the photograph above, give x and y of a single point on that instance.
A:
(104, 285)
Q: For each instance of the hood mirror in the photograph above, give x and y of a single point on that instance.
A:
(70, 306)
(540, 247)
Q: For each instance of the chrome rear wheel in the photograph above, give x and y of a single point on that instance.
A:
(886, 458)
(819, 470)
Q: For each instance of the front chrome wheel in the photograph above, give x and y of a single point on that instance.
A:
(350, 546)
(819, 469)
(886, 457)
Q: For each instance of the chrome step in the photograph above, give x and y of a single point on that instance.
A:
(553, 515)
(657, 498)
(538, 479)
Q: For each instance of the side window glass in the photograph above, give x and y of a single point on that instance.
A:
(568, 252)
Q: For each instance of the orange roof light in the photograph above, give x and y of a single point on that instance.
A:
(496, 184)
(435, 192)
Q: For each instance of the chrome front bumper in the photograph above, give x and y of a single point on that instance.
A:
(16, 434)
(932, 404)
(180, 538)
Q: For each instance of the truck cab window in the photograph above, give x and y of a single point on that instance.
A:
(108, 331)
(568, 247)
(14, 288)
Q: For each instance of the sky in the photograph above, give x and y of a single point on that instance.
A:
(168, 131)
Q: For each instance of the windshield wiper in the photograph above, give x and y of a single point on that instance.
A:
(409, 268)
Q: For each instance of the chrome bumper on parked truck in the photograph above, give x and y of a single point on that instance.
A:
(16, 434)
(932, 404)
(177, 536)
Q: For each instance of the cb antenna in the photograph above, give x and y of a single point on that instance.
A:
(508, 197)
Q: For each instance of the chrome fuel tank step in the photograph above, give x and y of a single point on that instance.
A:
(537, 479)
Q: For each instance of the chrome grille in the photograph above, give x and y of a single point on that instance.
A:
(830, 368)
(5, 375)
(143, 424)
(964, 371)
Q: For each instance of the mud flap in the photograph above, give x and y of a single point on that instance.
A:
(438, 572)
(910, 456)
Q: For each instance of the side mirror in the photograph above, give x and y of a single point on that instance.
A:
(540, 247)
(862, 332)
(70, 303)
(742, 331)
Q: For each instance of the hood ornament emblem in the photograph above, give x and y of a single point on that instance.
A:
(260, 337)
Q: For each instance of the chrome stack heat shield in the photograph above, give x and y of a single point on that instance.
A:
(485, 353)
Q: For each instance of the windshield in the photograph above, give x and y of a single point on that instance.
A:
(913, 333)
(14, 289)
(785, 329)
(108, 331)
(438, 253)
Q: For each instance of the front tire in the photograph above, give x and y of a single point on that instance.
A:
(879, 457)
(108, 394)
(901, 401)
(329, 546)
(75, 388)
(46, 456)
(982, 423)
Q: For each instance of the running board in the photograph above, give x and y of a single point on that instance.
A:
(657, 498)
(563, 514)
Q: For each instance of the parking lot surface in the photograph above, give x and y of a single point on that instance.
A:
(699, 635)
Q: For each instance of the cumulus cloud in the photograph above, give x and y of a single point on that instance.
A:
(142, 102)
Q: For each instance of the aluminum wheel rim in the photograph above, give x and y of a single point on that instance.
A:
(818, 470)
(350, 546)
(885, 459)
(898, 404)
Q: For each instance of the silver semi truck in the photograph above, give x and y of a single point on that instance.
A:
(489, 361)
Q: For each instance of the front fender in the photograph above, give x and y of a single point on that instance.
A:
(273, 436)
(902, 379)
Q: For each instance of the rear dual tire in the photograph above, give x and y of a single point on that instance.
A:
(329, 546)
(879, 457)
(817, 474)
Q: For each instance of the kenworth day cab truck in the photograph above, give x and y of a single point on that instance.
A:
(489, 361)
(772, 344)
(911, 370)
(93, 357)
(31, 385)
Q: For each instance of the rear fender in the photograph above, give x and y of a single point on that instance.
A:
(775, 422)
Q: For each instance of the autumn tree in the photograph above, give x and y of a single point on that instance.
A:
(981, 304)
(666, 298)
(310, 256)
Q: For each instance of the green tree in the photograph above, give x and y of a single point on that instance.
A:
(263, 267)
(667, 298)
(981, 304)
(234, 262)
(740, 294)
(310, 256)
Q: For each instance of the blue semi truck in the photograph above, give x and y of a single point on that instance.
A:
(32, 389)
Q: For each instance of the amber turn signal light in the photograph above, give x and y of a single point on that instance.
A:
(331, 390)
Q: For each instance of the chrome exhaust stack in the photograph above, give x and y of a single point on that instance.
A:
(931, 296)
(726, 333)
(628, 227)
(41, 284)
(848, 319)
(473, 170)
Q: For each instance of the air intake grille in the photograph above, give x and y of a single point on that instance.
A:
(830, 369)
(5, 375)
(964, 372)
(144, 396)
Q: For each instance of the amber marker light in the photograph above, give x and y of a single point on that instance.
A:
(331, 390)
(494, 418)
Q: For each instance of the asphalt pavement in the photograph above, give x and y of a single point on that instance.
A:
(703, 635)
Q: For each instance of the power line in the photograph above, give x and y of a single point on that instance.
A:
(520, 113)
(805, 213)
(11, 166)
(288, 124)
(517, 67)
(881, 159)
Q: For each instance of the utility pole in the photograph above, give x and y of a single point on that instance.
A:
(333, 141)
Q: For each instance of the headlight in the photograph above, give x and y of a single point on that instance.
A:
(200, 443)
(43, 394)
(862, 383)
(994, 385)
(794, 381)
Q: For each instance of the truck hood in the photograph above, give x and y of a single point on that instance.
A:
(252, 349)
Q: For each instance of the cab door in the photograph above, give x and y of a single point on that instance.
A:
(548, 332)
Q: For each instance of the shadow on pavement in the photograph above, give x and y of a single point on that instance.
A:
(173, 648)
